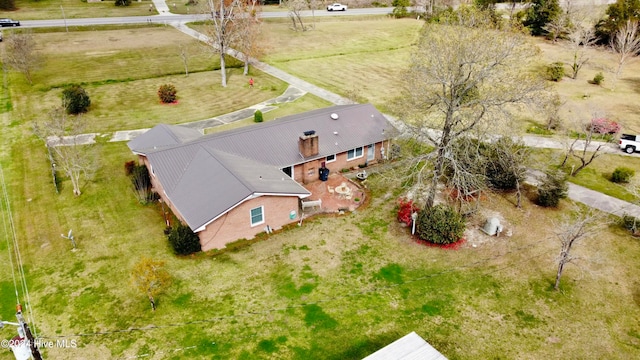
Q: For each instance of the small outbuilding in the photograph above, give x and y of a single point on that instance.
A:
(409, 347)
(492, 227)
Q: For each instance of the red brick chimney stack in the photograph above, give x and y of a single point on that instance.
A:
(308, 144)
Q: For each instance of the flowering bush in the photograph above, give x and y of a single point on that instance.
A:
(604, 126)
(405, 208)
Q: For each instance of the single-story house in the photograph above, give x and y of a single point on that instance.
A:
(235, 184)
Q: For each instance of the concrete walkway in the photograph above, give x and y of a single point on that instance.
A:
(299, 87)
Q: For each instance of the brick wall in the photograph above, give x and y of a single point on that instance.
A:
(340, 163)
(236, 224)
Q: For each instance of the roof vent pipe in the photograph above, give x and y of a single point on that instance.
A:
(334, 116)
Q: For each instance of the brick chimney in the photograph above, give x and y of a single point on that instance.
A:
(308, 144)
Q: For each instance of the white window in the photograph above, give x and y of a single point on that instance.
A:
(257, 216)
(354, 153)
(371, 152)
(330, 158)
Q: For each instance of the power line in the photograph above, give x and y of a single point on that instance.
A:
(6, 235)
(16, 249)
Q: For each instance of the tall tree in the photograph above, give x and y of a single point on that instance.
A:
(462, 81)
(626, 43)
(7, 5)
(221, 30)
(295, 8)
(20, 53)
(581, 38)
(150, 278)
(541, 13)
(616, 15)
(249, 31)
(62, 134)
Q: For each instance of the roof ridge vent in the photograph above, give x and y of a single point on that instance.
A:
(334, 116)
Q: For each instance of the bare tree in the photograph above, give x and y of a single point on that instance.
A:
(551, 109)
(184, 55)
(249, 31)
(221, 30)
(583, 150)
(634, 188)
(558, 27)
(295, 8)
(570, 233)
(464, 170)
(464, 80)
(581, 37)
(626, 43)
(20, 53)
(150, 278)
(62, 134)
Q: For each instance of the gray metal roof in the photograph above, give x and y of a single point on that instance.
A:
(161, 136)
(276, 142)
(204, 184)
(206, 176)
(408, 347)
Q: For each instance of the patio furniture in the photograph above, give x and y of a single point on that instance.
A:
(343, 190)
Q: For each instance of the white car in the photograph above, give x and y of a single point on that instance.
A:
(337, 7)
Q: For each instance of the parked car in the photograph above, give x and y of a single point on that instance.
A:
(337, 7)
(8, 22)
(630, 143)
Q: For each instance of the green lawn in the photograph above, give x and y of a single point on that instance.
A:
(362, 59)
(335, 288)
(122, 69)
(338, 287)
(49, 9)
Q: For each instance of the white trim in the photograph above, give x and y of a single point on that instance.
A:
(261, 207)
(252, 196)
(355, 153)
(326, 158)
(291, 169)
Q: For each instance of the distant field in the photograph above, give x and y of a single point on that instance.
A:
(358, 59)
(364, 59)
(122, 70)
(50, 9)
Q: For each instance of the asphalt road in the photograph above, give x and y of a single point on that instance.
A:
(170, 18)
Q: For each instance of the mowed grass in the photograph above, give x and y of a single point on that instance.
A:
(121, 70)
(339, 287)
(617, 100)
(358, 59)
(596, 176)
(49, 9)
(364, 60)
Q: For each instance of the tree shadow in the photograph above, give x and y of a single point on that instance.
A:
(634, 82)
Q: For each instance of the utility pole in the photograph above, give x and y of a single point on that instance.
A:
(27, 332)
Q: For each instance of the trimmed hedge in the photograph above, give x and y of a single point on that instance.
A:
(440, 224)
(183, 240)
